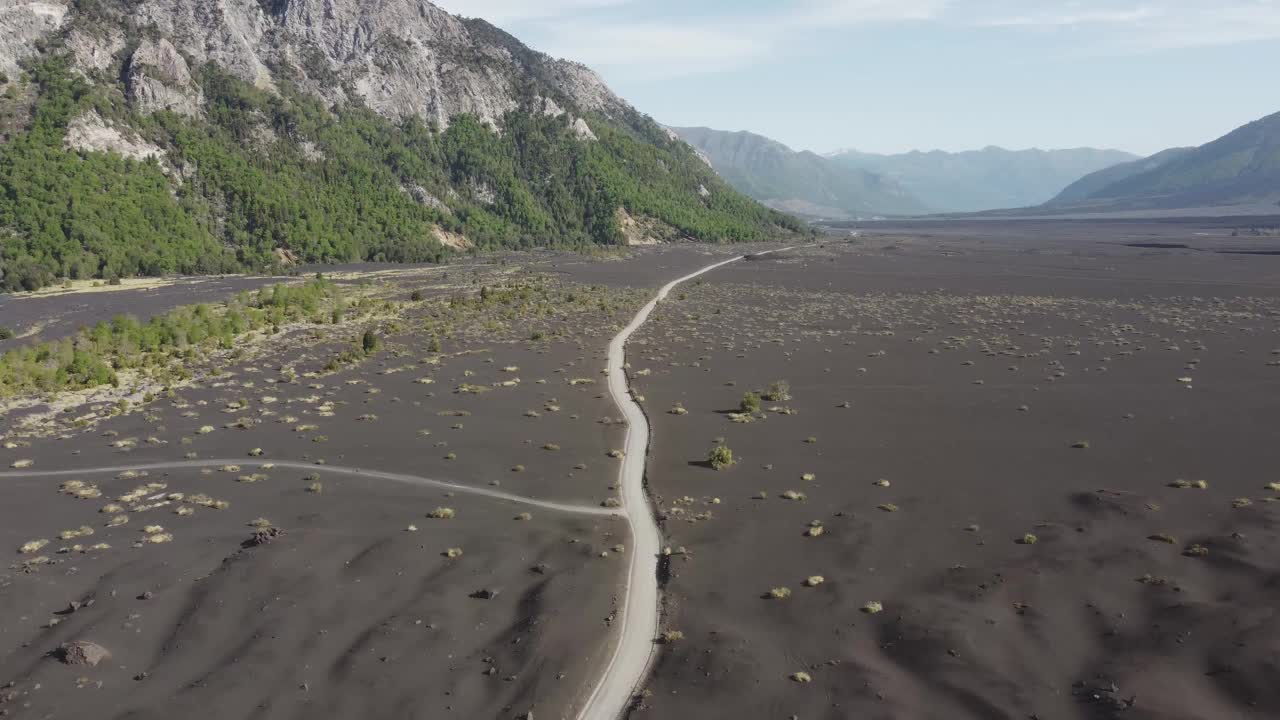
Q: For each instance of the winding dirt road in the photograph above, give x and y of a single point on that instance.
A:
(334, 469)
(640, 608)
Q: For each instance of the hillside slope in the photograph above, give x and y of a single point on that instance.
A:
(159, 136)
(985, 179)
(1239, 168)
(799, 182)
(1082, 189)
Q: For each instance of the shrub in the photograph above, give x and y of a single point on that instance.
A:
(779, 391)
(750, 403)
(5, 333)
(370, 342)
(720, 457)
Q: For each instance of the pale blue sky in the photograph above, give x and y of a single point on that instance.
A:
(895, 75)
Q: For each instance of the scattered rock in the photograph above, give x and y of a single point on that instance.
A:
(82, 652)
(263, 536)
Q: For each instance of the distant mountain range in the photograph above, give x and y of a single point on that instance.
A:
(850, 184)
(984, 179)
(801, 183)
(1242, 167)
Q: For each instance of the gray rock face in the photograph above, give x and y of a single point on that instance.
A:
(400, 57)
(91, 133)
(22, 23)
(95, 51)
(158, 79)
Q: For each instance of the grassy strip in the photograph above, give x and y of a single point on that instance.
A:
(95, 356)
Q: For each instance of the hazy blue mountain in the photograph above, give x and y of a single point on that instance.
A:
(1082, 189)
(802, 183)
(1241, 167)
(985, 179)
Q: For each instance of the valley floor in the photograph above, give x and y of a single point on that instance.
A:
(979, 498)
(998, 436)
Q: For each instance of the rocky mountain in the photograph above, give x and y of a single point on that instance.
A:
(984, 179)
(1242, 167)
(802, 183)
(237, 133)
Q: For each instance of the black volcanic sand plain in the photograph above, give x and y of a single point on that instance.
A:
(1043, 464)
(357, 608)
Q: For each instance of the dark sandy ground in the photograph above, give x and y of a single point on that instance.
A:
(1002, 388)
(972, 360)
(351, 612)
(53, 314)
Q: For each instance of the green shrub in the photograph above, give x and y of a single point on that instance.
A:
(779, 391)
(720, 457)
(93, 356)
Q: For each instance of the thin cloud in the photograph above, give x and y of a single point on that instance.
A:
(1094, 17)
(645, 40)
(671, 47)
(511, 11)
(1171, 25)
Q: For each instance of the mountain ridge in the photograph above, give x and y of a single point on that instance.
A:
(248, 131)
(801, 182)
(1240, 167)
(986, 179)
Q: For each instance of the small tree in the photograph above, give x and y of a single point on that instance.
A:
(720, 457)
(750, 403)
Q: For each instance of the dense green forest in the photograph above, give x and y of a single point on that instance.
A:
(93, 356)
(264, 171)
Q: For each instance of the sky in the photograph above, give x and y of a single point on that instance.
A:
(898, 75)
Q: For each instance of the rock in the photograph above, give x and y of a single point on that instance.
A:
(401, 58)
(76, 605)
(263, 536)
(422, 196)
(485, 594)
(82, 652)
(90, 132)
(22, 23)
(158, 79)
(583, 130)
(95, 50)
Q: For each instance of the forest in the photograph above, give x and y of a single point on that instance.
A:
(267, 178)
